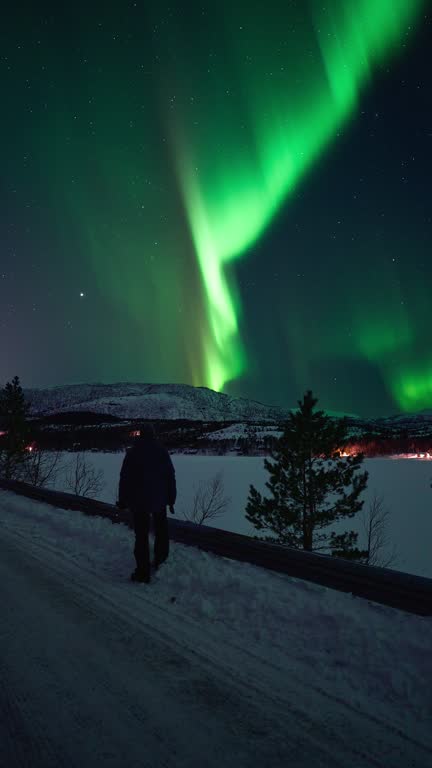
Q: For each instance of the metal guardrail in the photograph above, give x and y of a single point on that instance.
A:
(381, 585)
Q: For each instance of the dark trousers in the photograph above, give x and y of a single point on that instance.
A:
(161, 542)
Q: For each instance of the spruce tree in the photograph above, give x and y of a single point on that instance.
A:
(13, 421)
(311, 485)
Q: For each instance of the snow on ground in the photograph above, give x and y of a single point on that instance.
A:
(235, 431)
(404, 485)
(340, 681)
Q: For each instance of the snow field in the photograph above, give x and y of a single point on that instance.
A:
(404, 485)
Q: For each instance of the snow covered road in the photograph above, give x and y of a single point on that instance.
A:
(95, 671)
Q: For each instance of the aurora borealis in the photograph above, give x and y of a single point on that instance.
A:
(240, 194)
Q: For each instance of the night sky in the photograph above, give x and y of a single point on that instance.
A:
(217, 194)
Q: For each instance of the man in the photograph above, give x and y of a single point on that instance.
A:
(147, 486)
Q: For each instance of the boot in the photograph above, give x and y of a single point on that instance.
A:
(140, 576)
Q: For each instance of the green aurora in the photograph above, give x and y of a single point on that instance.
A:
(167, 147)
(292, 113)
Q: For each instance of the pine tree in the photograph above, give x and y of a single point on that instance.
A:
(312, 486)
(13, 415)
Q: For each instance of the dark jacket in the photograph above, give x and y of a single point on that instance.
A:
(147, 477)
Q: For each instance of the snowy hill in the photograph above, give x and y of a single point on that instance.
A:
(183, 401)
(152, 401)
(410, 424)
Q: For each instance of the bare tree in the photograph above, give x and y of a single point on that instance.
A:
(375, 519)
(209, 501)
(82, 478)
(40, 466)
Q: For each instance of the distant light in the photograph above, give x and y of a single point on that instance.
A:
(427, 456)
(82, 294)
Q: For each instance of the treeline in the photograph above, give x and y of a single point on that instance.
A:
(195, 437)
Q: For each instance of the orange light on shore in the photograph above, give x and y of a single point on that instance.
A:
(351, 451)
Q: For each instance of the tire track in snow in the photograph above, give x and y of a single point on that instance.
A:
(101, 723)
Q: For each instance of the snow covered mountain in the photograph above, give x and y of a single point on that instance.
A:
(183, 401)
(152, 401)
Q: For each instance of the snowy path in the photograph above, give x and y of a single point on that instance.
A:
(95, 672)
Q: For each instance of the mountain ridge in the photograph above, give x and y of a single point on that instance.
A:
(140, 400)
(137, 400)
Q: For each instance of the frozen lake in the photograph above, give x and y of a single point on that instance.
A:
(404, 485)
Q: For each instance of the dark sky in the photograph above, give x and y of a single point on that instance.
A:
(218, 195)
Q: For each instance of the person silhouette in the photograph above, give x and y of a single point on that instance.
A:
(147, 487)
